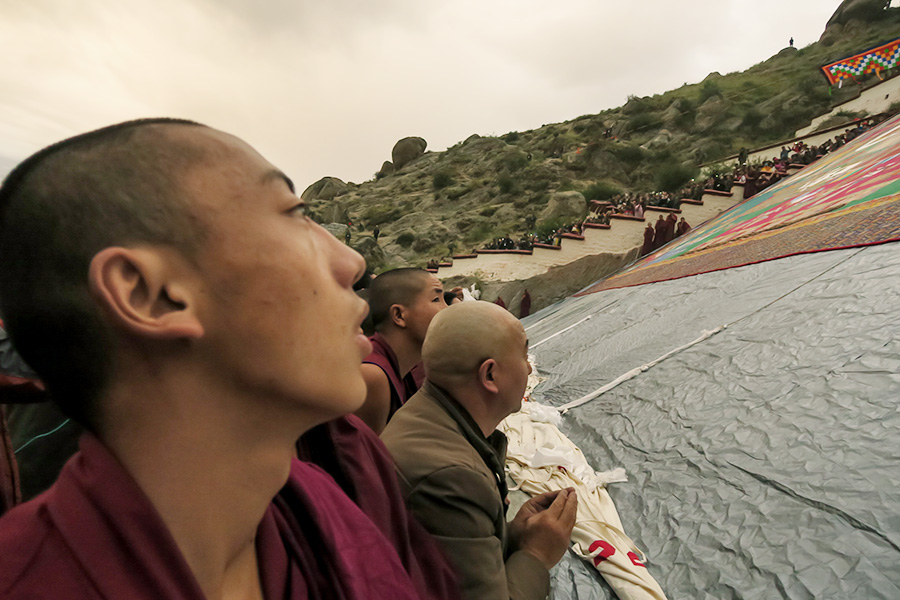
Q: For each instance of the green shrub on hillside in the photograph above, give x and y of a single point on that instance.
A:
(514, 161)
(506, 183)
(422, 245)
(630, 155)
(406, 239)
(708, 90)
(644, 121)
(671, 177)
(752, 119)
(442, 179)
(602, 190)
(549, 227)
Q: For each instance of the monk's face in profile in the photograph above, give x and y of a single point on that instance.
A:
(513, 367)
(280, 319)
(427, 303)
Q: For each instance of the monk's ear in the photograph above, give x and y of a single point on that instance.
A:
(397, 315)
(486, 376)
(144, 292)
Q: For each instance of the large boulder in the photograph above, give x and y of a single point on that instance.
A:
(564, 205)
(407, 150)
(661, 139)
(324, 189)
(710, 112)
(333, 212)
(338, 230)
(387, 167)
(370, 250)
(858, 10)
(854, 13)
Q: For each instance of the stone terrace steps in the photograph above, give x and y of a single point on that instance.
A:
(623, 234)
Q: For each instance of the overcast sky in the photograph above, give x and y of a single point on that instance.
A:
(326, 88)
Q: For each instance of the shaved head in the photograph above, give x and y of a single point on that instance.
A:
(464, 335)
(399, 286)
(115, 186)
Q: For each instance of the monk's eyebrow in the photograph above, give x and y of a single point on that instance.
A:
(276, 175)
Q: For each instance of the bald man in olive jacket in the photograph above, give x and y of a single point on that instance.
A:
(450, 457)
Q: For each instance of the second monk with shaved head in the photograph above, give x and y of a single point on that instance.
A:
(450, 457)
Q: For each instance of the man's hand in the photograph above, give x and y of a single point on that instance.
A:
(543, 526)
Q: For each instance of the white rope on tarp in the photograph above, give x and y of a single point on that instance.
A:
(637, 371)
(560, 332)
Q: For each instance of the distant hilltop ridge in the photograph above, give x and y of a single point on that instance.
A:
(435, 204)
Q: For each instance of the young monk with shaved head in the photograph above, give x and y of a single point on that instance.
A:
(164, 281)
(402, 303)
(450, 457)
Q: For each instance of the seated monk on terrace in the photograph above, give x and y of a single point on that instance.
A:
(451, 458)
(402, 302)
(164, 282)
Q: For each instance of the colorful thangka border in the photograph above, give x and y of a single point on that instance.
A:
(849, 198)
(876, 60)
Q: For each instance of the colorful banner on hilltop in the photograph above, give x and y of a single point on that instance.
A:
(875, 61)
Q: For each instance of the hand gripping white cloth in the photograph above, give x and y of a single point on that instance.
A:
(541, 459)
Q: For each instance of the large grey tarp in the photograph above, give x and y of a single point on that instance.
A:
(764, 462)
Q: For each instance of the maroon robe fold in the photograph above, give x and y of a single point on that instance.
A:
(357, 459)
(659, 239)
(671, 222)
(403, 386)
(95, 535)
(524, 305)
(648, 246)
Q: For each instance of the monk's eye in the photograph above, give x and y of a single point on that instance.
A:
(300, 210)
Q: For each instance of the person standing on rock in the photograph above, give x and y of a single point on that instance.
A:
(375, 233)
(347, 236)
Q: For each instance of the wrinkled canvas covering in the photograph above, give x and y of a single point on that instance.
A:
(763, 462)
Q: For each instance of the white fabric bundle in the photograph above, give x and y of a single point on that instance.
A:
(541, 459)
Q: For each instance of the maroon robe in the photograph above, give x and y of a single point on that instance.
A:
(671, 221)
(525, 305)
(349, 451)
(648, 246)
(660, 238)
(499, 301)
(403, 386)
(683, 227)
(95, 535)
(13, 390)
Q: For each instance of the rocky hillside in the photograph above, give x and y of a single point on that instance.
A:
(434, 204)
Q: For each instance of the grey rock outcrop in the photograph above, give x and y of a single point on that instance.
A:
(370, 250)
(663, 138)
(387, 168)
(564, 205)
(324, 189)
(333, 212)
(338, 230)
(407, 150)
(710, 112)
(849, 16)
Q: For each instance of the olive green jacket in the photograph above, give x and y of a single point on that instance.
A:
(452, 477)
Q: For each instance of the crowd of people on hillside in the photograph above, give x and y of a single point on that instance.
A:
(754, 177)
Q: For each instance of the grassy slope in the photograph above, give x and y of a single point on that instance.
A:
(455, 200)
